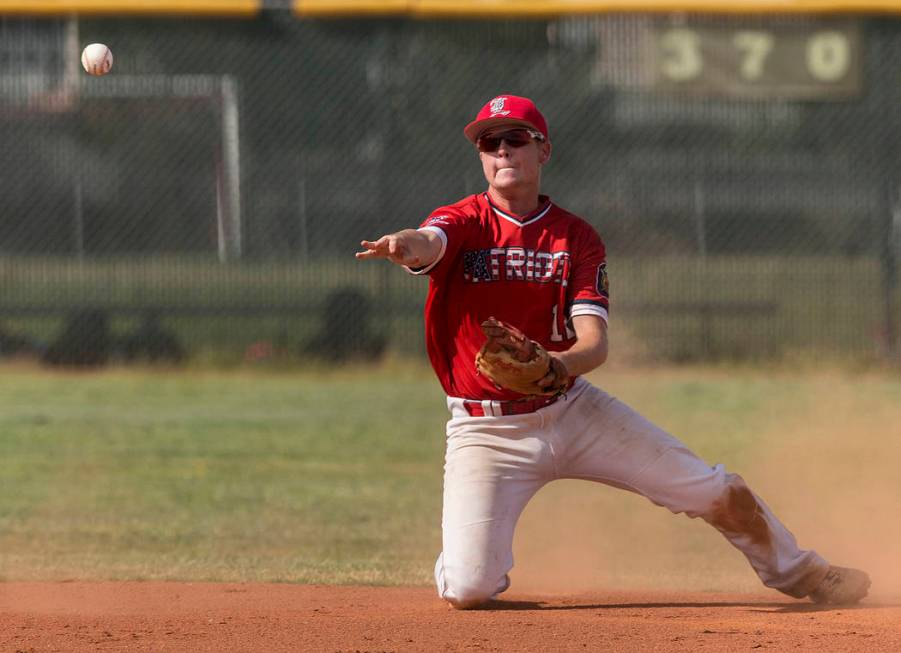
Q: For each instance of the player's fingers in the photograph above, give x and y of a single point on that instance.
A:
(376, 248)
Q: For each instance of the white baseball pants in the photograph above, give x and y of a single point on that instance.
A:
(494, 465)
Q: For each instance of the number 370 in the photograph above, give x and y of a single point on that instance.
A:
(827, 54)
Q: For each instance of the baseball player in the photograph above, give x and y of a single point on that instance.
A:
(520, 284)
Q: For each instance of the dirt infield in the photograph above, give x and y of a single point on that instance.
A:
(197, 617)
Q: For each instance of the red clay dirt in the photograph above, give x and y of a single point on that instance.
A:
(199, 617)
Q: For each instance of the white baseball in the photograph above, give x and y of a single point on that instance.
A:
(97, 59)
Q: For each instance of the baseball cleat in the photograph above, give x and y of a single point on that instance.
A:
(841, 586)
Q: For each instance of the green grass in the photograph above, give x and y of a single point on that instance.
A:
(277, 477)
(307, 477)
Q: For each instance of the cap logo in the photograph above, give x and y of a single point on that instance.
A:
(497, 107)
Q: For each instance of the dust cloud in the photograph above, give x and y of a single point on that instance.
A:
(829, 468)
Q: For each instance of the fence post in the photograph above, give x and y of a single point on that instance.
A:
(890, 277)
(229, 193)
(889, 132)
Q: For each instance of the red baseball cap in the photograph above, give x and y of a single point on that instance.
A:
(507, 110)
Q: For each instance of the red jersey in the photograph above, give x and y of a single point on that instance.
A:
(535, 272)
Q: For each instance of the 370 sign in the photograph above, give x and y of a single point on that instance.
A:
(816, 60)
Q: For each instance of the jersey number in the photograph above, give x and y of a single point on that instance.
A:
(555, 327)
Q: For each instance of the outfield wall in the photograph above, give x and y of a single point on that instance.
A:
(440, 8)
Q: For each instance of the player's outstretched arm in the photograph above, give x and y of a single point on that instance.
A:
(410, 247)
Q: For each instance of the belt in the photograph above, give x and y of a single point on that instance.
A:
(478, 408)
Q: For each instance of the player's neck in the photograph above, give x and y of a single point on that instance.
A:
(515, 203)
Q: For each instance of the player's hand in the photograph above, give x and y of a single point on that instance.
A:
(394, 247)
(557, 375)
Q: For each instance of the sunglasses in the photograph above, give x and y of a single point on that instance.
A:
(513, 138)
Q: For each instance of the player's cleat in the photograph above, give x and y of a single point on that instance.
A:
(841, 586)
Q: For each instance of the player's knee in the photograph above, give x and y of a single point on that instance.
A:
(468, 597)
(714, 492)
(736, 510)
(468, 603)
(731, 492)
(469, 593)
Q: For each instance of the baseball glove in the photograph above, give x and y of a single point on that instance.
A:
(515, 362)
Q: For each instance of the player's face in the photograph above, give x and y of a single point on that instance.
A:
(512, 157)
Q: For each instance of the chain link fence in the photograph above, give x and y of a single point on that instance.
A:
(204, 200)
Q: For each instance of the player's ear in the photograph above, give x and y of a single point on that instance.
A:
(544, 153)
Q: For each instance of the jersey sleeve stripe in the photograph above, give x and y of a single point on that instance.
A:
(585, 308)
(597, 302)
(443, 237)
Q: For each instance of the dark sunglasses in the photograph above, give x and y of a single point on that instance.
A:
(513, 138)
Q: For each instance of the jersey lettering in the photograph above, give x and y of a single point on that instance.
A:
(515, 264)
(543, 267)
(560, 273)
(476, 266)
